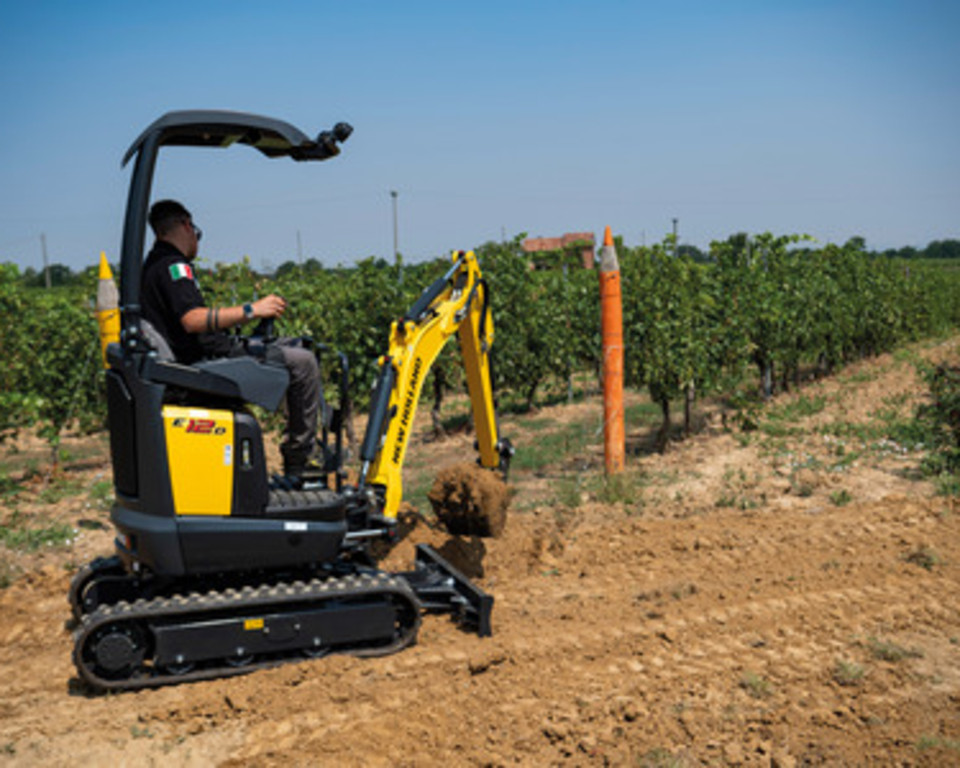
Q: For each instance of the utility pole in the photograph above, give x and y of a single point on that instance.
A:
(299, 250)
(676, 242)
(396, 249)
(46, 266)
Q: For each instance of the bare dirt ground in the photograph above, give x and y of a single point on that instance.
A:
(783, 597)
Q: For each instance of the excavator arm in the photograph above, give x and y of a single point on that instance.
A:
(457, 303)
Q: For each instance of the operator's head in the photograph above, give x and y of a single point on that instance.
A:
(171, 222)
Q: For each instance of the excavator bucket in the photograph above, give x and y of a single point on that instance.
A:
(470, 500)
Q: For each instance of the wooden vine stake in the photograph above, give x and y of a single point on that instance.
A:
(611, 332)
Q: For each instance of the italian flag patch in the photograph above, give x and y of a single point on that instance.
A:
(178, 271)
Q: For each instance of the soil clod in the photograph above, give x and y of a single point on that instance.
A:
(470, 500)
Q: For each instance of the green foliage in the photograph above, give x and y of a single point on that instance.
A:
(661, 758)
(9, 487)
(783, 307)
(757, 686)
(57, 489)
(929, 742)
(848, 672)
(17, 536)
(621, 488)
(799, 408)
(941, 416)
(552, 447)
(925, 557)
(353, 314)
(772, 303)
(49, 342)
(8, 572)
(693, 323)
(101, 494)
(351, 311)
(669, 322)
(937, 249)
(546, 321)
(841, 498)
(886, 650)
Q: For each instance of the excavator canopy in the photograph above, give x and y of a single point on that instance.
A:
(201, 128)
(216, 128)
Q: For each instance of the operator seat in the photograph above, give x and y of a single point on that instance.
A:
(247, 378)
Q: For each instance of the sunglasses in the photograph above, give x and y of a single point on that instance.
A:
(196, 230)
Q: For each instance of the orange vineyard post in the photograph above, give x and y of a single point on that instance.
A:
(611, 332)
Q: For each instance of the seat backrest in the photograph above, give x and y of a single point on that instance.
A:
(156, 340)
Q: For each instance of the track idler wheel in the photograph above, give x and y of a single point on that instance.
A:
(116, 651)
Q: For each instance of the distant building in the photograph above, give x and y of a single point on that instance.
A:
(582, 241)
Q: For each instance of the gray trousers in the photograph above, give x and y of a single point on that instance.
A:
(304, 395)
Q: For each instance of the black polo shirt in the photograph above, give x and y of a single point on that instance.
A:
(168, 290)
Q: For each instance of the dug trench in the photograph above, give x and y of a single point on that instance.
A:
(786, 597)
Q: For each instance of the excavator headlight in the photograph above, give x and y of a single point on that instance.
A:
(342, 131)
(329, 139)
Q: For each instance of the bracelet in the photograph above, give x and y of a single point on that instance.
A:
(209, 320)
(216, 319)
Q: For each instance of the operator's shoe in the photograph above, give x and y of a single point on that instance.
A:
(309, 469)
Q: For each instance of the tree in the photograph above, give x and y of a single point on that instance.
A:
(693, 253)
(286, 269)
(943, 249)
(60, 275)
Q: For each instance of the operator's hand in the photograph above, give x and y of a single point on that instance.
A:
(269, 306)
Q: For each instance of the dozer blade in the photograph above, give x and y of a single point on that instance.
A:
(442, 588)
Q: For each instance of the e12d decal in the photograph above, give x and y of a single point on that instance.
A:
(199, 426)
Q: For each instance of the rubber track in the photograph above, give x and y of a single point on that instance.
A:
(231, 601)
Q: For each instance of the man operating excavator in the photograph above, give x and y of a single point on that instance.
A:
(173, 303)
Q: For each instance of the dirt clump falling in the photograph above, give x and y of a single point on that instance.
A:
(470, 500)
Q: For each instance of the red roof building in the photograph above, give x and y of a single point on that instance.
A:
(584, 240)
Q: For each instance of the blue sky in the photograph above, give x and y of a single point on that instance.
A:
(827, 118)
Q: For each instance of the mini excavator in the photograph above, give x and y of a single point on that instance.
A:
(221, 569)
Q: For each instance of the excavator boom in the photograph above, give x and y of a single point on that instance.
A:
(457, 303)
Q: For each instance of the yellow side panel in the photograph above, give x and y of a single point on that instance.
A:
(200, 457)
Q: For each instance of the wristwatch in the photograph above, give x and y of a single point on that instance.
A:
(248, 311)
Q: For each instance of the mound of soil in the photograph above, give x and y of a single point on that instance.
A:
(470, 501)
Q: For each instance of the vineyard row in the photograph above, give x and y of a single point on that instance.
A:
(774, 305)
